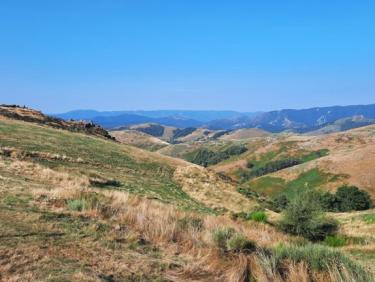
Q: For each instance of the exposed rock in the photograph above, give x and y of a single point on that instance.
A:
(30, 115)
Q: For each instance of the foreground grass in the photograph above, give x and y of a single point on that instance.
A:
(113, 236)
(65, 215)
(38, 243)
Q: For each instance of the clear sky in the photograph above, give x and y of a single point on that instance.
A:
(137, 54)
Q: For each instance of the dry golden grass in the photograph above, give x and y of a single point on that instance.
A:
(160, 225)
(245, 133)
(207, 187)
(189, 251)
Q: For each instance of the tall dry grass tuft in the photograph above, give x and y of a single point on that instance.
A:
(298, 272)
(239, 270)
(264, 268)
(340, 273)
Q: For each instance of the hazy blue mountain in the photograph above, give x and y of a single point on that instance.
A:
(120, 120)
(87, 114)
(343, 125)
(302, 121)
(131, 119)
(202, 116)
(229, 124)
(176, 118)
(308, 119)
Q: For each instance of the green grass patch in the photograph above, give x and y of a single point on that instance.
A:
(314, 155)
(273, 186)
(335, 241)
(268, 185)
(369, 218)
(277, 160)
(259, 216)
(16, 200)
(308, 180)
(76, 205)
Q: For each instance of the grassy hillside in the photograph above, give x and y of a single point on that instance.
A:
(105, 163)
(115, 165)
(244, 133)
(274, 164)
(74, 207)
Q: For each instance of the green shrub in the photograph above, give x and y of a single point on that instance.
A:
(76, 204)
(280, 203)
(221, 237)
(304, 217)
(91, 201)
(328, 201)
(335, 241)
(235, 150)
(206, 157)
(102, 183)
(347, 198)
(369, 218)
(228, 240)
(239, 243)
(320, 258)
(351, 198)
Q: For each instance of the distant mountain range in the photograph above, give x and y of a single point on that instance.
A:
(336, 118)
(176, 118)
(306, 120)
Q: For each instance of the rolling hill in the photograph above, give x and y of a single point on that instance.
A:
(96, 159)
(331, 160)
(139, 139)
(76, 206)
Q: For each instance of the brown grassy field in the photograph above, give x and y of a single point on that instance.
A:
(120, 236)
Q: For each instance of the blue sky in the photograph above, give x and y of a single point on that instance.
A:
(237, 55)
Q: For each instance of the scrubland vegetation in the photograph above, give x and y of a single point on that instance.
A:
(207, 157)
(265, 166)
(172, 244)
(79, 208)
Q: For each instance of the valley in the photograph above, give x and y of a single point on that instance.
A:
(185, 205)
